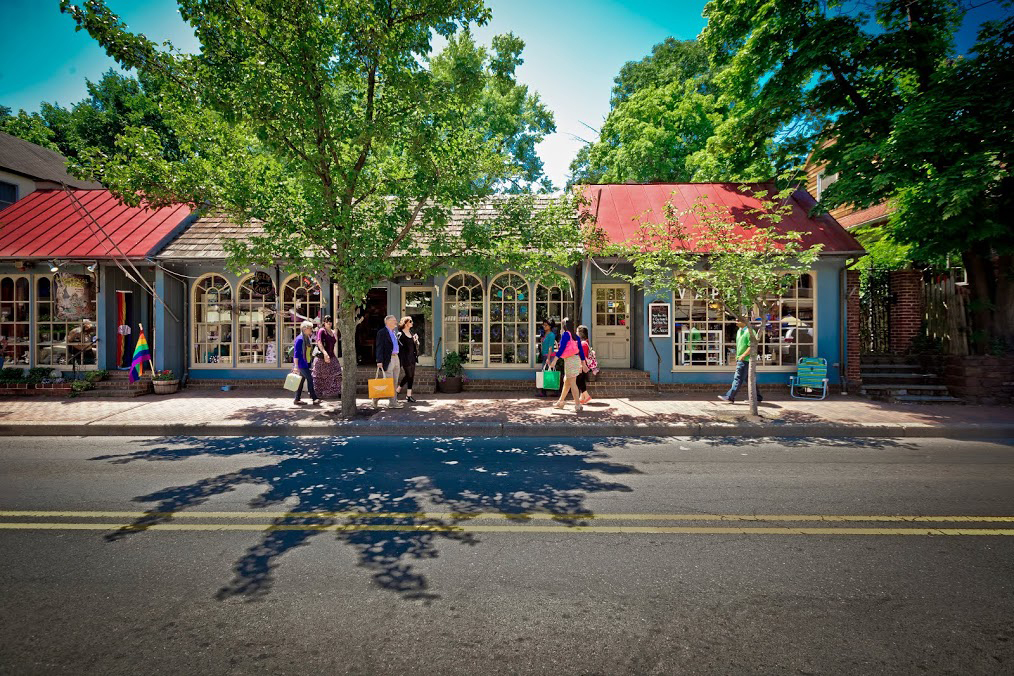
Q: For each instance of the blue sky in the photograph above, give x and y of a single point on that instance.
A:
(574, 49)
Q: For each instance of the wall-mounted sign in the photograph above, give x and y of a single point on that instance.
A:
(659, 320)
(262, 284)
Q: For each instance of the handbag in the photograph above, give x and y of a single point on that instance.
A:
(380, 388)
(550, 379)
(292, 381)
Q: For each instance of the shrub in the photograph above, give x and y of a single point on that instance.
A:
(38, 374)
(78, 386)
(12, 376)
(96, 376)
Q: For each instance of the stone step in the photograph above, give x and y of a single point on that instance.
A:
(864, 366)
(902, 388)
(901, 379)
(925, 399)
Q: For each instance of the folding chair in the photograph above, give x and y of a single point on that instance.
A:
(811, 376)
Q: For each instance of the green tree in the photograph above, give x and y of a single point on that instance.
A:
(663, 111)
(740, 263)
(325, 121)
(27, 127)
(911, 121)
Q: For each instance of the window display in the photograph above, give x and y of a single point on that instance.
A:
(301, 300)
(212, 319)
(65, 330)
(15, 319)
(509, 320)
(463, 316)
(257, 321)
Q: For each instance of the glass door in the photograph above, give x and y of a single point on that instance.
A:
(417, 303)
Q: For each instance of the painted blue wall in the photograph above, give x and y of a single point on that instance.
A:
(829, 327)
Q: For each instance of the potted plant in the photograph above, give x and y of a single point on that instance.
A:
(450, 376)
(165, 382)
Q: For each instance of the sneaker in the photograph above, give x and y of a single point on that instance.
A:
(411, 400)
(398, 405)
(724, 397)
(297, 402)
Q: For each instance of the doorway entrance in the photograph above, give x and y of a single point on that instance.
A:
(417, 303)
(372, 312)
(611, 328)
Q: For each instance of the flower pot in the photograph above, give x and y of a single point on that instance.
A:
(165, 386)
(450, 385)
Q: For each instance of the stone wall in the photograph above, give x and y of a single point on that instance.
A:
(980, 379)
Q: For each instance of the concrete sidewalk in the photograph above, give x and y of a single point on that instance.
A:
(273, 414)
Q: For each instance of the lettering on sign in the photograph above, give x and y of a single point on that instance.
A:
(659, 320)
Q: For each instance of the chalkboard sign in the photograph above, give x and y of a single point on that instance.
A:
(262, 284)
(659, 320)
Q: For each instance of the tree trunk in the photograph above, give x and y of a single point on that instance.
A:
(345, 321)
(991, 306)
(752, 382)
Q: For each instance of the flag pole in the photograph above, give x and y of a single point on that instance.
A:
(152, 365)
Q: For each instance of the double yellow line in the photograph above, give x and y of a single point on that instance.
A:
(518, 523)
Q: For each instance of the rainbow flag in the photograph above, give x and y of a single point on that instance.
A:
(141, 355)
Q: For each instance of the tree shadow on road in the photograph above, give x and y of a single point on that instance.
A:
(424, 487)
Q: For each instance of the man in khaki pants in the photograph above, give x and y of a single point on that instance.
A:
(387, 355)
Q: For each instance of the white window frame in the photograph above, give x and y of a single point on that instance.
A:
(727, 367)
(446, 346)
(820, 182)
(231, 364)
(488, 320)
(34, 341)
(237, 328)
(284, 340)
(13, 323)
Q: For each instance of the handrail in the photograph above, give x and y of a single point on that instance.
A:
(437, 354)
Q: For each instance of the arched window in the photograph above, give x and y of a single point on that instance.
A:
(212, 320)
(554, 301)
(463, 316)
(257, 321)
(15, 320)
(509, 320)
(65, 321)
(301, 299)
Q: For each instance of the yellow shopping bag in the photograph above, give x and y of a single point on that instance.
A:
(380, 387)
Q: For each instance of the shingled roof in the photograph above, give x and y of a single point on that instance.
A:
(203, 238)
(41, 164)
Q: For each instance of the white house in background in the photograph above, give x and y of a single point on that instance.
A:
(26, 167)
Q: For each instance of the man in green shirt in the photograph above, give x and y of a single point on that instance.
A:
(744, 353)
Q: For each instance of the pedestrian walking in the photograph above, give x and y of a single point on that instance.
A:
(408, 354)
(302, 353)
(572, 352)
(591, 364)
(744, 356)
(546, 348)
(387, 354)
(327, 368)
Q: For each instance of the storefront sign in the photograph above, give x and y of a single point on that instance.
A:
(659, 320)
(262, 284)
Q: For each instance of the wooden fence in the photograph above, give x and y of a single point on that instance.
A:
(945, 312)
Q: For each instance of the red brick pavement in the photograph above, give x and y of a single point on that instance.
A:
(270, 408)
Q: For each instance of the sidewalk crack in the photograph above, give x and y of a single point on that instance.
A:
(110, 415)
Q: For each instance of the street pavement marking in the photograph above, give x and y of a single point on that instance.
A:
(486, 516)
(648, 530)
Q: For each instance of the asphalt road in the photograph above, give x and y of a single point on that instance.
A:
(130, 555)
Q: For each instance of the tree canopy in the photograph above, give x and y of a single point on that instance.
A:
(663, 111)
(333, 125)
(884, 100)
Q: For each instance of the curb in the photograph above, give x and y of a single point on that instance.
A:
(356, 428)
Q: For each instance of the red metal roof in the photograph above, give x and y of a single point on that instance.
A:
(619, 208)
(46, 224)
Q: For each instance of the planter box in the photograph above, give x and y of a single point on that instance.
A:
(165, 386)
(450, 385)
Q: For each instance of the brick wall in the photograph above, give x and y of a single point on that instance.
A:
(853, 348)
(907, 310)
(980, 379)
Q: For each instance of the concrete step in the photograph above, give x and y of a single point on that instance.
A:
(887, 367)
(901, 378)
(902, 387)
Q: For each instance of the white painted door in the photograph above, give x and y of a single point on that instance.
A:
(417, 303)
(611, 330)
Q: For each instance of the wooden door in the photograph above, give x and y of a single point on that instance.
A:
(611, 329)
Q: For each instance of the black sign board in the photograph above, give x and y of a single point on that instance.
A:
(262, 284)
(659, 320)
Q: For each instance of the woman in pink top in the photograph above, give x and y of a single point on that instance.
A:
(572, 352)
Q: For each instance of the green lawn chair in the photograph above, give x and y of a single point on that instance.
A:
(811, 377)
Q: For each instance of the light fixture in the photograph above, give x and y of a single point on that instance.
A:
(91, 268)
(53, 267)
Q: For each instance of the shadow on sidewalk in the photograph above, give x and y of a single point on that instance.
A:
(447, 478)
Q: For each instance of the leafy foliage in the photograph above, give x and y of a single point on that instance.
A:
(882, 99)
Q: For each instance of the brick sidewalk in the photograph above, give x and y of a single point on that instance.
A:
(260, 408)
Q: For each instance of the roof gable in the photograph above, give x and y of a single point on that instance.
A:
(28, 159)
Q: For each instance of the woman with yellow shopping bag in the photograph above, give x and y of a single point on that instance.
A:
(388, 364)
